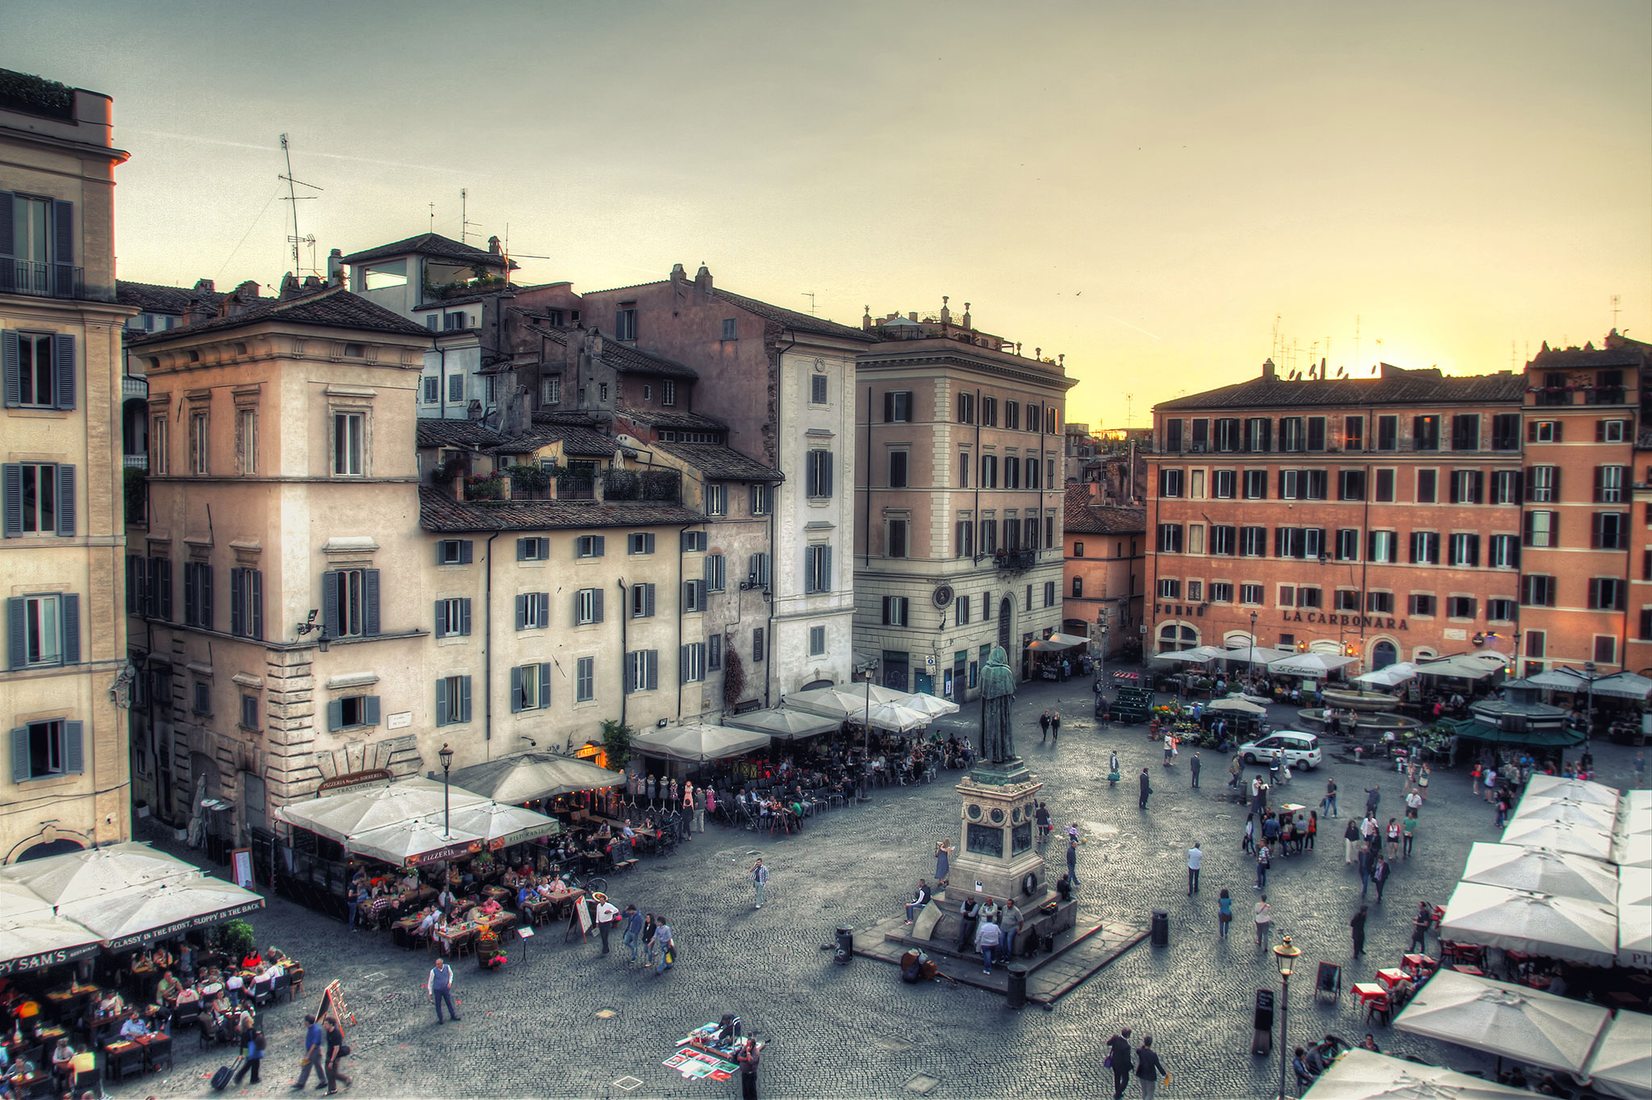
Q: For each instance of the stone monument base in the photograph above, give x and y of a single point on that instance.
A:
(998, 854)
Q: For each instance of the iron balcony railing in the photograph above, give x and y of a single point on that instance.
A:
(40, 280)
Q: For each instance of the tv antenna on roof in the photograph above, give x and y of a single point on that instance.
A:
(809, 294)
(464, 219)
(293, 197)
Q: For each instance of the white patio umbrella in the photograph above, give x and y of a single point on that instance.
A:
(421, 840)
(1567, 810)
(1624, 685)
(1559, 836)
(931, 706)
(95, 872)
(499, 825)
(1578, 790)
(39, 938)
(1622, 1065)
(1634, 850)
(696, 744)
(522, 777)
(1389, 675)
(784, 723)
(1361, 1074)
(1315, 665)
(156, 910)
(1539, 924)
(1559, 679)
(1236, 705)
(1560, 873)
(1256, 655)
(838, 701)
(1510, 1021)
(18, 901)
(1198, 655)
(347, 813)
(1466, 666)
(891, 716)
(1635, 917)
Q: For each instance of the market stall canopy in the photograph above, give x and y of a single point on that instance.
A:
(1057, 642)
(1313, 665)
(1236, 705)
(1624, 685)
(1560, 837)
(421, 840)
(1361, 1074)
(500, 825)
(161, 909)
(38, 938)
(1560, 873)
(1538, 924)
(1578, 790)
(94, 872)
(1198, 655)
(1389, 675)
(1256, 655)
(1635, 917)
(785, 723)
(1510, 1021)
(526, 776)
(344, 814)
(1555, 738)
(1622, 1065)
(1465, 666)
(697, 744)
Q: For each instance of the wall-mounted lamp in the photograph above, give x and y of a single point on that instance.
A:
(309, 625)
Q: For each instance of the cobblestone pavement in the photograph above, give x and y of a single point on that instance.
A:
(563, 1021)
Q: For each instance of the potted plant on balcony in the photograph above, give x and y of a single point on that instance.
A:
(485, 487)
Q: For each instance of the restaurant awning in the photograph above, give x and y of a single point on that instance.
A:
(355, 810)
(1465, 666)
(1635, 917)
(501, 826)
(1361, 1074)
(1540, 924)
(94, 872)
(1057, 642)
(409, 843)
(784, 723)
(1510, 1021)
(1198, 655)
(698, 744)
(40, 938)
(162, 909)
(1545, 872)
(525, 776)
(1313, 665)
(1622, 1065)
(1624, 685)
(1256, 655)
(1389, 675)
(893, 717)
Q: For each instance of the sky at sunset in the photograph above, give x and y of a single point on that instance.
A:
(1153, 189)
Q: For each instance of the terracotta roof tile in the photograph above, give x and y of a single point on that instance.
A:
(1396, 387)
(440, 512)
(331, 307)
(428, 244)
(448, 433)
(1081, 517)
(724, 463)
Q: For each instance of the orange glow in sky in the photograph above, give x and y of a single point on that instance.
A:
(1167, 193)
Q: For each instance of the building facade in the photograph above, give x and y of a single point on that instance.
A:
(1106, 555)
(958, 542)
(66, 783)
(1378, 517)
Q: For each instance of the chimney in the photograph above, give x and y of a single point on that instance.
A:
(313, 283)
(946, 314)
(1267, 370)
(335, 267)
(679, 277)
(493, 247)
(702, 279)
(289, 286)
(913, 317)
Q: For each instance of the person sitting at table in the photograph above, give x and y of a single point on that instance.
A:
(142, 960)
(134, 1025)
(489, 907)
(252, 960)
(427, 925)
(445, 900)
(63, 1064)
(168, 988)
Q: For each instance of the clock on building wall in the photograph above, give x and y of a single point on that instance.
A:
(942, 595)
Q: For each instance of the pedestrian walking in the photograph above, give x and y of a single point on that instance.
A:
(1122, 1060)
(1419, 927)
(1146, 789)
(1313, 828)
(1502, 809)
(1149, 1068)
(1474, 775)
(1169, 749)
(1055, 724)
(1248, 844)
(1072, 855)
(1373, 796)
(607, 915)
(1194, 859)
(254, 1058)
(314, 1037)
(1330, 802)
(1264, 860)
(1043, 727)
(439, 987)
(1263, 919)
(759, 881)
(1379, 875)
(699, 809)
(337, 1051)
(1193, 766)
(1224, 913)
(352, 901)
(664, 947)
(631, 930)
(1393, 835)
(987, 938)
(1491, 782)
(1356, 926)
(1408, 831)
(1042, 817)
(649, 926)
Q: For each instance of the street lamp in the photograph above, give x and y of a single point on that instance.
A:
(1589, 715)
(1101, 659)
(445, 754)
(1285, 954)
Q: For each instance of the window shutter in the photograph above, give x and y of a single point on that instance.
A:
(74, 747)
(467, 551)
(598, 593)
(441, 550)
(329, 602)
(516, 689)
(464, 698)
(71, 628)
(440, 620)
(19, 737)
(16, 632)
(464, 617)
(653, 661)
(1600, 480)
(648, 600)
(577, 599)
(8, 243)
(522, 549)
(63, 369)
(441, 702)
(682, 665)
(886, 611)
(255, 603)
(544, 684)
(335, 714)
(370, 710)
(888, 407)
(601, 545)
(191, 588)
(65, 500)
(206, 596)
(826, 569)
(13, 492)
(163, 588)
(11, 356)
(237, 583)
(63, 240)
(826, 471)
(370, 602)
(521, 612)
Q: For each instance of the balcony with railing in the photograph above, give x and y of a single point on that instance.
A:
(134, 389)
(40, 280)
(1015, 561)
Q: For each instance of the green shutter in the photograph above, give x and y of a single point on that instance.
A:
(65, 500)
(370, 602)
(11, 486)
(63, 369)
(544, 684)
(70, 606)
(74, 748)
(20, 768)
(516, 688)
(370, 710)
(440, 620)
(441, 702)
(464, 698)
(335, 714)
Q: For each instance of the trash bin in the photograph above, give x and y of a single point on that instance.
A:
(1017, 986)
(845, 946)
(1261, 1041)
(1161, 928)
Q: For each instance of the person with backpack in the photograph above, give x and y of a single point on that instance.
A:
(1264, 860)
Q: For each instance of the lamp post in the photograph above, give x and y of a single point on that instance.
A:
(1101, 659)
(1589, 714)
(445, 754)
(1285, 954)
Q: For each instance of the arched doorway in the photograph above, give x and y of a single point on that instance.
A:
(1174, 637)
(1383, 654)
(58, 847)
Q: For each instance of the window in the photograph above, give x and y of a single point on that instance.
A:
(589, 546)
(962, 609)
(454, 551)
(1503, 552)
(1226, 434)
(817, 569)
(1253, 542)
(818, 392)
(158, 590)
(668, 392)
(642, 601)
(759, 646)
(714, 652)
(1012, 415)
(1287, 595)
(1170, 538)
(41, 750)
(1542, 528)
(757, 570)
(989, 412)
(452, 617)
(452, 700)
(246, 602)
(1384, 490)
(587, 606)
(1078, 588)
(1425, 548)
(1388, 433)
(530, 687)
(39, 499)
(550, 391)
(1611, 530)
(1543, 484)
(1351, 485)
(818, 474)
(1465, 432)
(1316, 433)
(1611, 431)
(1606, 645)
(1461, 607)
(897, 407)
(895, 610)
(1049, 592)
(1347, 544)
(694, 595)
(1544, 431)
(989, 471)
(352, 711)
(1223, 484)
(988, 529)
(198, 594)
(1353, 433)
(202, 703)
(817, 641)
(1428, 482)
(249, 712)
(533, 549)
(39, 368)
(964, 537)
(1466, 486)
(760, 499)
(897, 469)
(1347, 599)
(716, 578)
(894, 542)
(246, 440)
(1171, 482)
(1381, 547)
(1291, 435)
(966, 408)
(1606, 594)
(1379, 603)
(533, 610)
(642, 542)
(1505, 487)
(1537, 590)
(1169, 588)
(1221, 592)
(1012, 472)
(585, 679)
(199, 443)
(625, 321)
(43, 630)
(1256, 484)
(159, 457)
(692, 663)
(1611, 484)
(1224, 540)
(1307, 596)
(1250, 594)
(1464, 551)
(1425, 433)
(349, 444)
(1423, 603)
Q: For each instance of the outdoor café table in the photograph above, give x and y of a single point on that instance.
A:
(157, 1048)
(1372, 997)
(122, 1057)
(1389, 977)
(1420, 966)
(49, 1036)
(497, 893)
(1472, 971)
(452, 936)
(210, 990)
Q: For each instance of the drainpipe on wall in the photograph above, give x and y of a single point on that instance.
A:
(487, 643)
(624, 611)
(779, 438)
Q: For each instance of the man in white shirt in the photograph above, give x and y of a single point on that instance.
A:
(1194, 859)
(607, 913)
(134, 1026)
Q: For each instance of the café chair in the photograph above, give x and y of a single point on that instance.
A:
(156, 1051)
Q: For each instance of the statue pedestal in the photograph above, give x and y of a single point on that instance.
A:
(998, 854)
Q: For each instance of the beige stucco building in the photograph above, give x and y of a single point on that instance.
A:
(65, 785)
